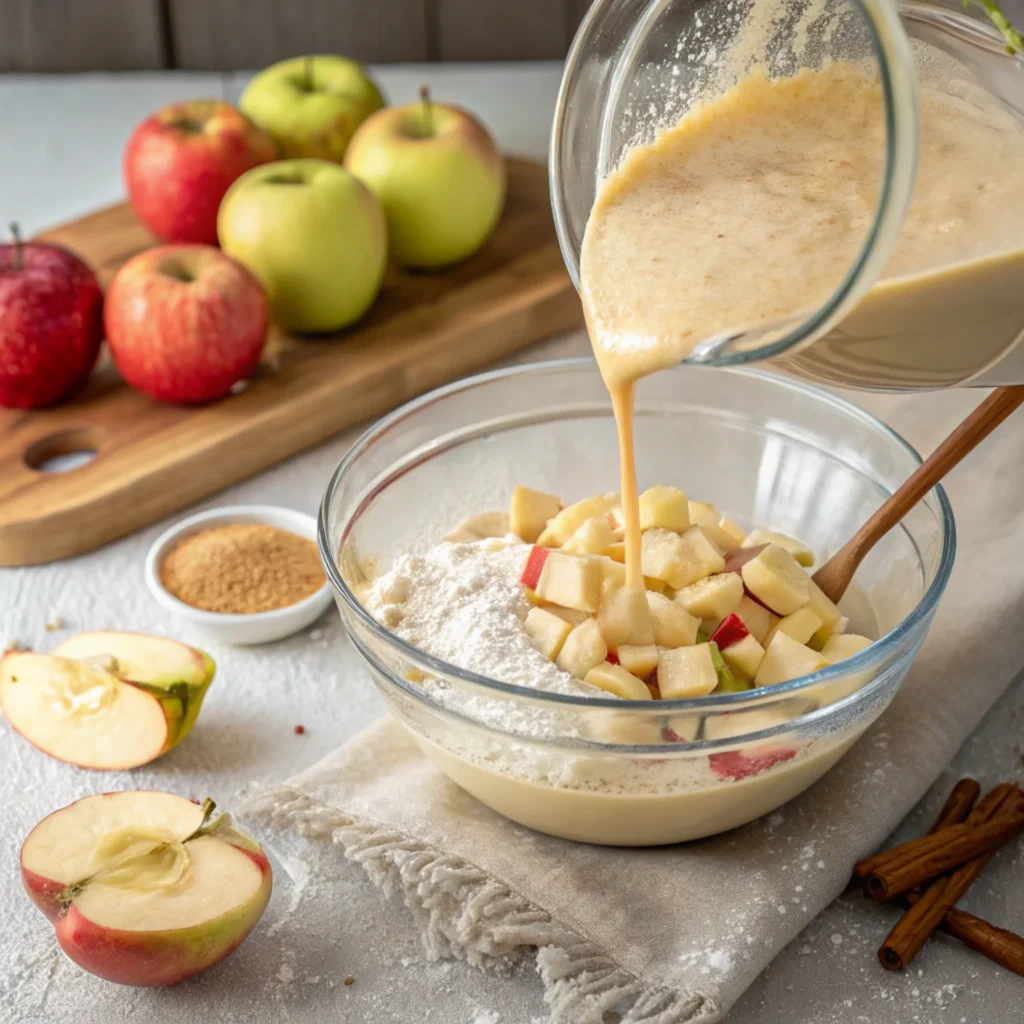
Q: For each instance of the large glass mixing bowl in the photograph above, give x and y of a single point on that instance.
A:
(766, 450)
(636, 67)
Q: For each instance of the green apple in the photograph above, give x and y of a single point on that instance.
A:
(313, 234)
(438, 175)
(311, 106)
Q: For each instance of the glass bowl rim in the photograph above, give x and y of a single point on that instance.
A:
(876, 652)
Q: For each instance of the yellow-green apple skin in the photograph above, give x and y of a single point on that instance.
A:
(439, 177)
(311, 106)
(315, 237)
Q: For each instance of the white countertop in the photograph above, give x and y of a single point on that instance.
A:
(61, 141)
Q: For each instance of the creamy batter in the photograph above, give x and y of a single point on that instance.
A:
(750, 212)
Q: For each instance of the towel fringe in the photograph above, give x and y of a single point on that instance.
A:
(461, 912)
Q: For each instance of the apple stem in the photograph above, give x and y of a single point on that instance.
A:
(428, 111)
(307, 64)
(208, 808)
(19, 247)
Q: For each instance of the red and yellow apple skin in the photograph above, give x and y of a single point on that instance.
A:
(45, 893)
(181, 160)
(185, 323)
(125, 923)
(51, 324)
(160, 958)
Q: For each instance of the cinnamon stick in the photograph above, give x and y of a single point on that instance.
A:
(957, 806)
(1003, 947)
(995, 821)
(930, 910)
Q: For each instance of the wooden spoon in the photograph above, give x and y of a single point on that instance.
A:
(835, 575)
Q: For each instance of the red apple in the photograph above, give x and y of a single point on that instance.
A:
(51, 323)
(144, 888)
(181, 160)
(185, 322)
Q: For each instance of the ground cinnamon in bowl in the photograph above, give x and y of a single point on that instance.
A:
(242, 569)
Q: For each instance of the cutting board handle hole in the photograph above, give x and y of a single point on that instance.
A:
(63, 451)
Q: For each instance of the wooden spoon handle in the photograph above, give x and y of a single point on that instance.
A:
(835, 575)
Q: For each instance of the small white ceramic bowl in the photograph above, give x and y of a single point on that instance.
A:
(240, 630)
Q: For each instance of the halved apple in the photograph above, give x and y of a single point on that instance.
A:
(143, 887)
(106, 699)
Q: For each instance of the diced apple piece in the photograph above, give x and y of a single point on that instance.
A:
(616, 518)
(617, 552)
(641, 660)
(840, 646)
(797, 548)
(744, 656)
(674, 626)
(529, 512)
(682, 729)
(613, 574)
(714, 597)
(572, 581)
(708, 518)
(743, 723)
(731, 630)
(593, 537)
(679, 559)
(655, 586)
(758, 620)
(571, 615)
(533, 567)
(547, 632)
(615, 679)
(625, 618)
(664, 508)
(801, 625)
(703, 513)
(486, 524)
(584, 648)
(569, 520)
(733, 529)
(687, 672)
(723, 542)
(631, 730)
(777, 580)
(786, 659)
(822, 606)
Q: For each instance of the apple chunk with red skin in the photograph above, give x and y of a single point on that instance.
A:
(105, 699)
(142, 888)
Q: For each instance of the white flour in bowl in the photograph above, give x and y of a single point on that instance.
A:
(464, 604)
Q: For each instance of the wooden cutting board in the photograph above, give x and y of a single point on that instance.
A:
(153, 459)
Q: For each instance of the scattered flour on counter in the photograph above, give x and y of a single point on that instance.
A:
(463, 603)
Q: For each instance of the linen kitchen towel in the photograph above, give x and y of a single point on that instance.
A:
(673, 935)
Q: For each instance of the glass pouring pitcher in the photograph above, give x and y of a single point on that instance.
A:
(637, 66)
